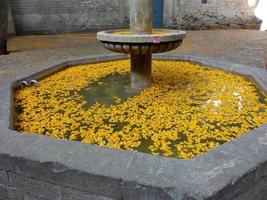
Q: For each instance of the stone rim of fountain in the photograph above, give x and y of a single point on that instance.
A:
(129, 175)
(170, 36)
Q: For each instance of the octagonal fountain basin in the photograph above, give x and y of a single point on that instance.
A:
(159, 41)
(188, 110)
(69, 125)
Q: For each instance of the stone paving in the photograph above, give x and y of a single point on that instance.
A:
(247, 47)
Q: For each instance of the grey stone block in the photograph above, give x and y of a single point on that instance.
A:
(233, 190)
(133, 191)
(82, 179)
(14, 194)
(157, 176)
(3, 192)
(30, 185)
(70, 194)
(4, 179)
(256, 192)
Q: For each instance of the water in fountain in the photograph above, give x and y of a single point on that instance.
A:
(184, 113)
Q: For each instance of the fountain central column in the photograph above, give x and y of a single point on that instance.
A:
(140, 24)
(141, 16)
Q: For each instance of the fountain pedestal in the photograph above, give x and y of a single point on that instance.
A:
(141, 70)
(141, 42)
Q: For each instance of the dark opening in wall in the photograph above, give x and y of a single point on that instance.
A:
(204, 1)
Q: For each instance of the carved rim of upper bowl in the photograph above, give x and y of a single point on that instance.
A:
(169, 35)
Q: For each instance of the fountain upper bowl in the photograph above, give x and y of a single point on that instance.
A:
(119, 41)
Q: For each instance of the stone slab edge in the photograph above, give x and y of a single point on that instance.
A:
(171, 35)
(122, 174)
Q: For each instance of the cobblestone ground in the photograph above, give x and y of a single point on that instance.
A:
(247, 47)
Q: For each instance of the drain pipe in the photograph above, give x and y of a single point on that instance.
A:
(33, 83)
(4, 9)
(23, 84)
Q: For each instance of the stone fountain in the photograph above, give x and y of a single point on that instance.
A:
(73, 170)
(141, 42)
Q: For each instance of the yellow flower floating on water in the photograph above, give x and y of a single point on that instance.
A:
(188, 110)
(154, 32)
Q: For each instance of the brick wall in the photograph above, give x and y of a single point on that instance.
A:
(68, 16)
(196, 14)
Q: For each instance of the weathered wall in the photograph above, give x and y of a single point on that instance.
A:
(69, 16)
(195, 14)
(216, 14)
